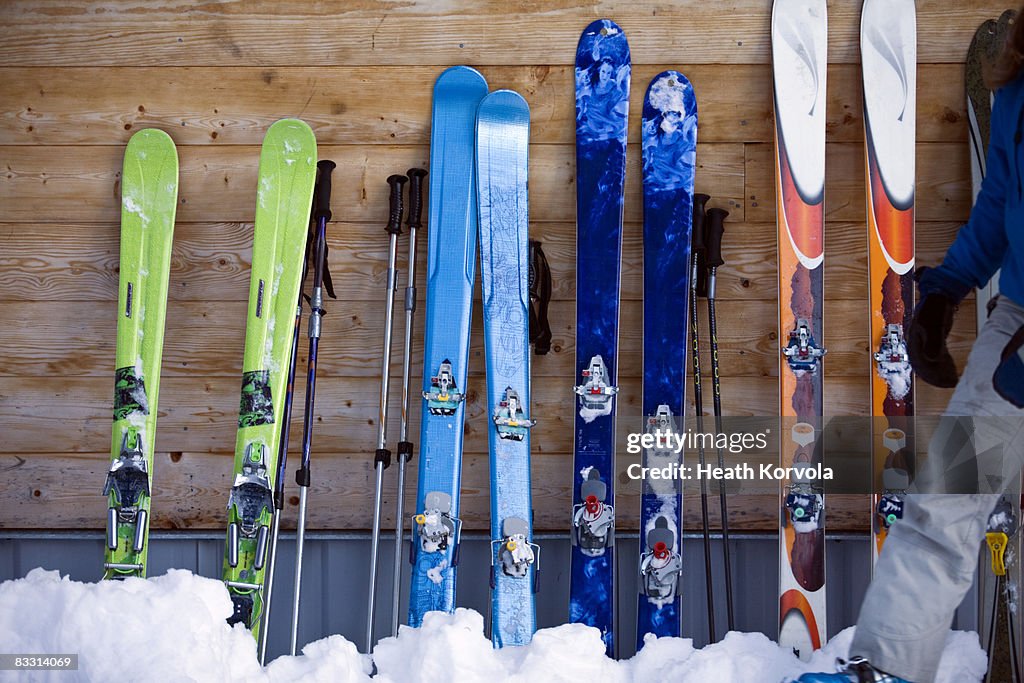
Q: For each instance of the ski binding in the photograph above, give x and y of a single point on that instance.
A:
(595, 393)
(435, 526)
(251, 497)
(892, 353)
(660, 567)
(128, 478)
(1002, 525)
(593, 520)
(442, 399)
(509, 417)
(802, 352)
(515, 551)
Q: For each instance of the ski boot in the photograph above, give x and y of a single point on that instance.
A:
(857, 670)
(660, 566)
(593, 521)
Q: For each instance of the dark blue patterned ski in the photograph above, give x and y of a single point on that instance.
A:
(669, 143)
(602, 107)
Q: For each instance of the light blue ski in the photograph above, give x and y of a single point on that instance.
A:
(451, 261)
(669, 143)
(502, 136)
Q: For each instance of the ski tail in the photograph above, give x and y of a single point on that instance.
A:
(149, 197)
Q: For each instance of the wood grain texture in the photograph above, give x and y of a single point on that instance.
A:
(252, 32)
(80, 77)
(356, 105)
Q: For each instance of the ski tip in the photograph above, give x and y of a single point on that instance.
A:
(670, 91)
(506, 105)
(290, 128)
(603, 39)
(461, 78)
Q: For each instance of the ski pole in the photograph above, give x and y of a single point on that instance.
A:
(414, 223)
(282, 466)
(696, 256)
(322, 214)
(714, 229)
(382, 456)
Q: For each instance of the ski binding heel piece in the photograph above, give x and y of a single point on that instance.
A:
(595, 393)
(252, 500)
(802, 352)
(435, 526)
(895, 482)
(593, 520)
(509, 417)
(660, 566)
(515, 551)
(442, 399)
(805, 504)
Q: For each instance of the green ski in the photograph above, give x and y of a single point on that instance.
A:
(149, 195)
(284, 198)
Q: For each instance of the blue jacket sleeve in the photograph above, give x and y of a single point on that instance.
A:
(978, 250)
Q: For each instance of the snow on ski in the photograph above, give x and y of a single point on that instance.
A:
(799, 46)
(502, 136)
(451, 256)
(888, 43)
(669, 144)
(602, 107)
(284, 198)
(149, 197)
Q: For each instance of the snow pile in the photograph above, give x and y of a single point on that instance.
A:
(172, 628)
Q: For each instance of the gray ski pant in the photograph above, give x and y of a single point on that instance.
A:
(930, 556)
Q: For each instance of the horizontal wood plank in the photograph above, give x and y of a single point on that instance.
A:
(190, 491)
(356, 105)
(210, 261)
(244, 32)
(77, 339)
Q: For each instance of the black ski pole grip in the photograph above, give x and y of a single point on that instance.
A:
(698, 228)
(416, 176)
(322, 200)
(395, 220)
(714, 229)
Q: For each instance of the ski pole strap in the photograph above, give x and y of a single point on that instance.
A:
(698, 230)
(540, 298)
(395, 211)
(714, 228)
(416, 176)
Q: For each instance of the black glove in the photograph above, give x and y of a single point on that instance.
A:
(930, 325)
(1008, 378)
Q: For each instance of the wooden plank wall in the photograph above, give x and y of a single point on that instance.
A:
(79, 78)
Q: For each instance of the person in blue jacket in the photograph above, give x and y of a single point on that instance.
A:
(931, 555)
